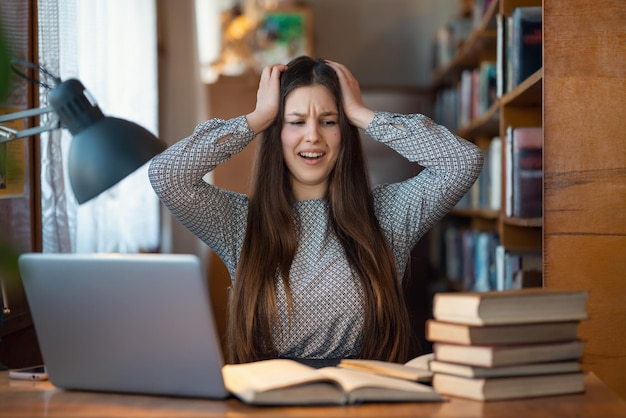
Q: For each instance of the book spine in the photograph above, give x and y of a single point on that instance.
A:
(486, 86)
(526, 43)
(482, 262)
(527, 180)
(508, 33)
(508, 172)
(495, 173)
(469, 257)
(465, 98)
(500, 55)
(500, 270)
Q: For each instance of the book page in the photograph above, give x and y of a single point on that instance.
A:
(321, 393)
(401, 371)
(268, 375)
(421, 362)
(382, 387)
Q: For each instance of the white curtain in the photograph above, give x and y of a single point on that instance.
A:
(111, 47)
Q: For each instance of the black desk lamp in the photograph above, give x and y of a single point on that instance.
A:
(104, 149)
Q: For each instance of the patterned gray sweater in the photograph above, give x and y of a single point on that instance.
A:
(327, 296)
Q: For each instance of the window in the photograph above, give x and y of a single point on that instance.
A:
(110, 46)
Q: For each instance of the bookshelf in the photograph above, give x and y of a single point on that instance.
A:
(512, 107)
(579, 97)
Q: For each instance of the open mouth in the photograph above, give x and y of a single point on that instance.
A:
(311, 155)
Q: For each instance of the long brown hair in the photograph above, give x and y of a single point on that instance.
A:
(271, 238)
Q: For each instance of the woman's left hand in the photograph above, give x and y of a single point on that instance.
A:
(358, 114)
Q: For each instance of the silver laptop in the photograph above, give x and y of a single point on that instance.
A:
(139, 323)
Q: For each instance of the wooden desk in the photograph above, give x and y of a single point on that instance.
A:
(41, 399)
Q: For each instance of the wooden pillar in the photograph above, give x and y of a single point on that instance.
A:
(585, 170)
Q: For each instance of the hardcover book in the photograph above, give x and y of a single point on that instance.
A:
(508, 355)
(511, 306)
(467, 370)
(501, 55)
(527, 172)
(500, 334)
(526, 48)
(487, 94)
(495, 174)
(488, 389)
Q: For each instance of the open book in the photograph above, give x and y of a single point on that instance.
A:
(287, 382)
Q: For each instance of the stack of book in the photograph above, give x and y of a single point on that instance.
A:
(506, 345)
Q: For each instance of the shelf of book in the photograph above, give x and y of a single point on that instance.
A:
(499, 115)
(481, 42)
(486, 214)
(524, 222)
(527, 93)
(486, 125)
(519, 236)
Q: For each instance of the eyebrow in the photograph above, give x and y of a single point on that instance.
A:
(329, 113)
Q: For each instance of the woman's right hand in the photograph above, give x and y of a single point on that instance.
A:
(267, 99)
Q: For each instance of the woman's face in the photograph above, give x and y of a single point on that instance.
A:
(311, 139)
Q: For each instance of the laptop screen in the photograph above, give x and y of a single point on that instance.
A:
(127, 323)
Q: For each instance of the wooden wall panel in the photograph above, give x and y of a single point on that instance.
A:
(594, 263)
(20, 229)
(585, 170)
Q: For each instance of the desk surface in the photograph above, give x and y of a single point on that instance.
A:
(41, 399)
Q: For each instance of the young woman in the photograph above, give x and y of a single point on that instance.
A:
(316, 257)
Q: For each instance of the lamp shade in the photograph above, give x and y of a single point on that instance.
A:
(104, 150)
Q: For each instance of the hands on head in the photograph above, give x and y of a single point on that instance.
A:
(358, 114)
(268, 97)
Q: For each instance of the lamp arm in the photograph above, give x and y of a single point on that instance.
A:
(9, 134)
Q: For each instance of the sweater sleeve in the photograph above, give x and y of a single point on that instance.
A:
(408, 209)
(212, 214)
